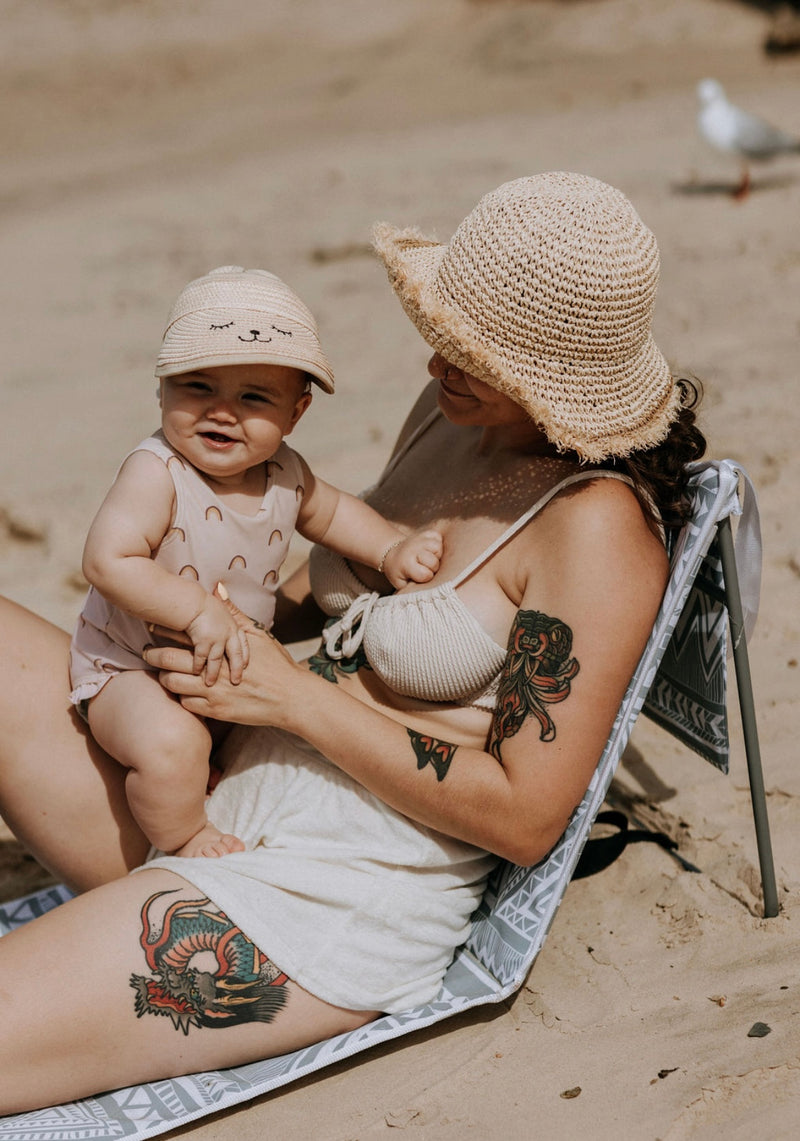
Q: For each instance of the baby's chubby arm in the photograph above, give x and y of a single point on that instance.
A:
(117, 559)
(354, 529)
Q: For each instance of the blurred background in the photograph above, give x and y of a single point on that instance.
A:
(146, 141)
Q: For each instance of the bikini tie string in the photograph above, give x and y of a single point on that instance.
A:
(344, 636)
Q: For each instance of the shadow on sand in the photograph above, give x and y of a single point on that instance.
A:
(701, 188)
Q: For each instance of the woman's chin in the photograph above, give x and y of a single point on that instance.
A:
(456, 408)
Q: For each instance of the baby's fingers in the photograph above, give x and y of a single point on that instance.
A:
(422, 572)
(429, 559)
(433, 542)
(213, 664)
(245, 646)
(199, 658)
(237, 653)
(426, 563)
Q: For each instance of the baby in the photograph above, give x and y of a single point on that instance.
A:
(212, 498)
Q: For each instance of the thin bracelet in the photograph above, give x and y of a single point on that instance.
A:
(386, 553)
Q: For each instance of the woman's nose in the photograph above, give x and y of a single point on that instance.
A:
(440, 369)
(437, 367)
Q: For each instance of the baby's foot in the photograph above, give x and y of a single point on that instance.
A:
(210, 842)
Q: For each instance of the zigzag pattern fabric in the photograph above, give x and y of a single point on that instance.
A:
(680, 680)
(688, 695)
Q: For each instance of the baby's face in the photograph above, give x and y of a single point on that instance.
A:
(228, 419)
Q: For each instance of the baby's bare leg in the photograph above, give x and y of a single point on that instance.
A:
(165, 750)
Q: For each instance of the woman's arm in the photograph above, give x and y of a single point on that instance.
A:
(574, 644)
(117, 560)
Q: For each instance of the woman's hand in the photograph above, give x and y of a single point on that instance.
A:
(262, 697)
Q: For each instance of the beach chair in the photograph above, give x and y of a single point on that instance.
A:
(679, 682)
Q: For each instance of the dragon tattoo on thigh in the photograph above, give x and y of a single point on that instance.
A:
(205, 971)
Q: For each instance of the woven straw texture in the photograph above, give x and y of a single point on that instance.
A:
(238, 316)
(546, 292)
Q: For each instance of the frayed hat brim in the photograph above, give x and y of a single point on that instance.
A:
(598, 408)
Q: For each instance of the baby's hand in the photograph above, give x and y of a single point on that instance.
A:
(415, 559)
(215, 635)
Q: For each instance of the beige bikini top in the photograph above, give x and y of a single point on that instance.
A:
(423, 644)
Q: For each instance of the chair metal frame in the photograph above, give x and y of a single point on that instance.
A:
(744, 684)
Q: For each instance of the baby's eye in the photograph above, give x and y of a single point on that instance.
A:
(255, 397)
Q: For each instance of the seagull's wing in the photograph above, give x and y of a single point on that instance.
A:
(756, 138)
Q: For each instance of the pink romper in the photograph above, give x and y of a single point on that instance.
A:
(207, 542)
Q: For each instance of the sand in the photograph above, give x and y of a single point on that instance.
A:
(145, 142)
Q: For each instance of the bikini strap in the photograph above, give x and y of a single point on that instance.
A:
(408, 444)
(518, 524)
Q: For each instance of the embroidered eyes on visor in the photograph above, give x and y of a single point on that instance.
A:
(256, 335)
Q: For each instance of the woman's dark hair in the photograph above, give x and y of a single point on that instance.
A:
(659, 474)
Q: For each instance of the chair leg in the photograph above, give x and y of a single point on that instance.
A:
(744, 685)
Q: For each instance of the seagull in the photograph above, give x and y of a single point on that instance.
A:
(730, 129)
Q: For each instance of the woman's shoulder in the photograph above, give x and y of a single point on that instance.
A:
(604, 509)
(597, 499)
(599, 538)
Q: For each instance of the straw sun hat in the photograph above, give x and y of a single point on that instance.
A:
(241, 316)
(546, 293)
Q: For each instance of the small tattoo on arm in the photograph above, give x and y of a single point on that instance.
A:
(431, 751)
(181, 940)
(537, 673)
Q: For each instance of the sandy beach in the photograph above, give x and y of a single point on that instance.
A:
(146, 142)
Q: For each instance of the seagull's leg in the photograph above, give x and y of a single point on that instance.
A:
(743, 189)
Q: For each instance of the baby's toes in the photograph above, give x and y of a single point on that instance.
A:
(229, 843)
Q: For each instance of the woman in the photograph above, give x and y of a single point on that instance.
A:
(434, 731)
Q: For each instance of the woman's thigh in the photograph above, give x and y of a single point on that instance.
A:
(59, 792)
(138, 980)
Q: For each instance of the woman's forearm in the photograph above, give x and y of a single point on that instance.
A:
(516, 808)
(459, 790)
